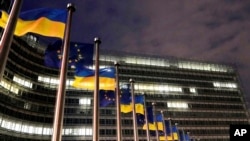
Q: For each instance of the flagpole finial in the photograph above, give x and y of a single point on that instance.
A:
(116, 63)
(131, 80)
(97, 40)
(70, 6)
(144, 94)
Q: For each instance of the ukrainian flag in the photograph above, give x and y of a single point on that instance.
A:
(44, 21)
(158, 122)
(139, 108)
(85, 79)
(171, 135)
(151, 123)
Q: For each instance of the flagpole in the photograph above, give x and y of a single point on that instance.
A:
(188, 133)
(118, 110)
(60, 99)
(171, 133)
(96, 92)
(7, 36)
(178, 134)
(156, 131)
(164, 127)
(146, 118)
(134, 112)
(183, 135)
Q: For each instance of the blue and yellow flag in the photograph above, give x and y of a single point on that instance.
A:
(44, 21)
(171, 131)
(152, 124)
(85, 79)
(175, 132)
(159, 121)
(150, 117)
(80, 55)
(139, 104)
(126, 103)
(126, 106)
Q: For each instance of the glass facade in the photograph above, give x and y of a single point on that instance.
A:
(203, 98)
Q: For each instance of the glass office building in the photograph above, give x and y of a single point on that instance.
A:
(203, 98)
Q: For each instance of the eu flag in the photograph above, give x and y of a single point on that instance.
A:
(80, 55)
(125, 94)
(43, 21)
(106, 98)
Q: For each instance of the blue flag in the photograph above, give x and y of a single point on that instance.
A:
(168, 128)
(140, 119)
(80, 55)
(182, 136)
(125, 94)
(106, 97)
(150, 115)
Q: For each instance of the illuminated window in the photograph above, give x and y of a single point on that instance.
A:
(27, 106)
(22, 82)
(24, 127)
(53, 81)
(225, 85)
(85, 101)
(192, 90)
(157, 87)
(47, 131)
(177, 105)
(14, 89)
(201, 66)
(5, 84)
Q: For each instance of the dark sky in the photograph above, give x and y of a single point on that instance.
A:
(207, 30)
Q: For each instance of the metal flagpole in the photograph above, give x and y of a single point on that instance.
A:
(7, 36)
(156, 131)
(183, 135)
(134, 112)
(60, 99)
(164, 127)
(96, 92)
(188, 133)
(178, 134)
(171, 130)
(118, 110)
(146, 118)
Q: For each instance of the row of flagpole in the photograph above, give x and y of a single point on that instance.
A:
(5, 44)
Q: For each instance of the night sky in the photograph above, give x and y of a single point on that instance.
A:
(207, 30)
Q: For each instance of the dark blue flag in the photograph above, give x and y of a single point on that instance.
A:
(80, 55)
(106, 97)
(125, 94)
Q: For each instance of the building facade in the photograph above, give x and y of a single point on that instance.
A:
(202, 98)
